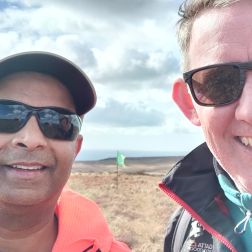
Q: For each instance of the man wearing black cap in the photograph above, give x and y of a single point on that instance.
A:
(39, 91)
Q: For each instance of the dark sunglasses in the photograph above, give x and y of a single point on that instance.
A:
(219, 84)
(54, 122)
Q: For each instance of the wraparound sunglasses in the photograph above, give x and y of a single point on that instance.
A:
(219, 84)
(54, 122)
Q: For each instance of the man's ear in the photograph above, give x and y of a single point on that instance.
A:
(184, 101)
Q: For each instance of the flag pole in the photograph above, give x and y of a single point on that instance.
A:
(119, 162)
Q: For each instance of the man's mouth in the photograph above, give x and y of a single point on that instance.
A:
(247, 141)
(27, 167)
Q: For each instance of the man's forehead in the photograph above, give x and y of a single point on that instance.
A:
(29, 86)
(33, 78)
(218, 36)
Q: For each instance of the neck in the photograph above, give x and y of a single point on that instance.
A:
(23, 228)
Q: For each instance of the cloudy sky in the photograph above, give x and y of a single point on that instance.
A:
(128, 49)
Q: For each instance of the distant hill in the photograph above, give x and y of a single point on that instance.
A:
(158, 165)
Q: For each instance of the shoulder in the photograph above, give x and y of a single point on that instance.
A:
(69, 195)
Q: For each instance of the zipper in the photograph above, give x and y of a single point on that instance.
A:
(87, 249)
(197, 217)
(90, 247)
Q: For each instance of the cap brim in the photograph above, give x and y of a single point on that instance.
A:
(65, 71)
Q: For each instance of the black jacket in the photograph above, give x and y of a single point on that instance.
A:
(193, 184)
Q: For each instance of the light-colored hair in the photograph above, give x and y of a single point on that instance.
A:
(189, 10)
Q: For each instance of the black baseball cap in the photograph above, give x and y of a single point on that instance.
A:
(62, 69)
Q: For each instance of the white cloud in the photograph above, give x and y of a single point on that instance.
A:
(128, 48)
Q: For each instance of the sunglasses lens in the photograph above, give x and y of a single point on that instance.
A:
(55, 123)
(59, 126)
(12, 117)
(217, 85)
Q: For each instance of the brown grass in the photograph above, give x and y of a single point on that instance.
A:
(137, 210)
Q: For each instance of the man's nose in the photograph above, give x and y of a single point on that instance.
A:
(30, 136)
(244, 104)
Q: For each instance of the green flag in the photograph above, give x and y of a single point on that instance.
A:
(120, 159)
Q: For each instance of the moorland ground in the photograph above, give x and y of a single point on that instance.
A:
(136, 209)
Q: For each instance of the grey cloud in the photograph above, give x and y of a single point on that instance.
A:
(134, 70)
(136, 9)
(83, 54)
(133, 10)
(117, 114)
(93, 20)
(12, 4)
(130, 73)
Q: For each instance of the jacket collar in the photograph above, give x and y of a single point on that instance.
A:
(194, 169)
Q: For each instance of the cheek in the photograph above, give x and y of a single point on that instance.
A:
(5, 139)
(65, 156)
(216, 120)
(66, 153)
(216, 124)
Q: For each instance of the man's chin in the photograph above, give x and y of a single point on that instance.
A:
(26, 197)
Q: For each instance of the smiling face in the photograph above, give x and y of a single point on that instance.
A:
(218, 36)
(34, 168)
